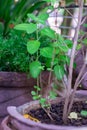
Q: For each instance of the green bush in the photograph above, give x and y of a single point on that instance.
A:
(13, 52)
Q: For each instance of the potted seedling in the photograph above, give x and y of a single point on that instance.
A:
(57, 105)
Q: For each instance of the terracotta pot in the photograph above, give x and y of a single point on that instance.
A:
(20, 123)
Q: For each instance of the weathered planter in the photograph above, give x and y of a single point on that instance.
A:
(20, 123)
(15, 79)
(15, 89)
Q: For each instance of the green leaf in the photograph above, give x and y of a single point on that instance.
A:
(36, 97)
(60, 38)
(52, 95)
(83, 113)
(43, 16)
(62, 44)
(37, 88)
(84, 41)
(43, 102)
(55, 61)
(33, 93)
(33, 46)
(68, 2)
(85, 25)
(35, 69)
(29, 28)
(79, 46)
(59, 71)
(48, 32)
(48, 62)
(46, 52)
(63, 47)
(33, 17)
(64, 59)
(49, 69)
(69, 43)
(47, 0)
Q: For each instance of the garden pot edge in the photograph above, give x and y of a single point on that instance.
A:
(13, 111)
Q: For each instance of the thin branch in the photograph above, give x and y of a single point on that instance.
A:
(62, 87)
(77, 83)
(82, 78)
(83, 36)
(48, 113)
(69, 84)
(83, 20)
(75, 87)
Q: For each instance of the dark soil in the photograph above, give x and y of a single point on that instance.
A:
(56, 112)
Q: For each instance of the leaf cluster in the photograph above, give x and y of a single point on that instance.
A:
(48, 48)
(13, 52)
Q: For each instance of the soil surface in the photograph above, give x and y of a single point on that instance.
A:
(56, 112)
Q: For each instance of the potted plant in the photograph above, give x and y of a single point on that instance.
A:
(14, 78)
(15, 82)
(53, 58)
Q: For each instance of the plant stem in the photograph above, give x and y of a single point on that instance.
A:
(50, 73)
(48, 113)
(82, 78)
(69, 83)
(76, 84)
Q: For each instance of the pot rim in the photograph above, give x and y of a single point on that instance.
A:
(15, 112)
(4, 123)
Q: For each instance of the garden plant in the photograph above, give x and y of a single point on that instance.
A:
(52, 56)
(15, 11)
